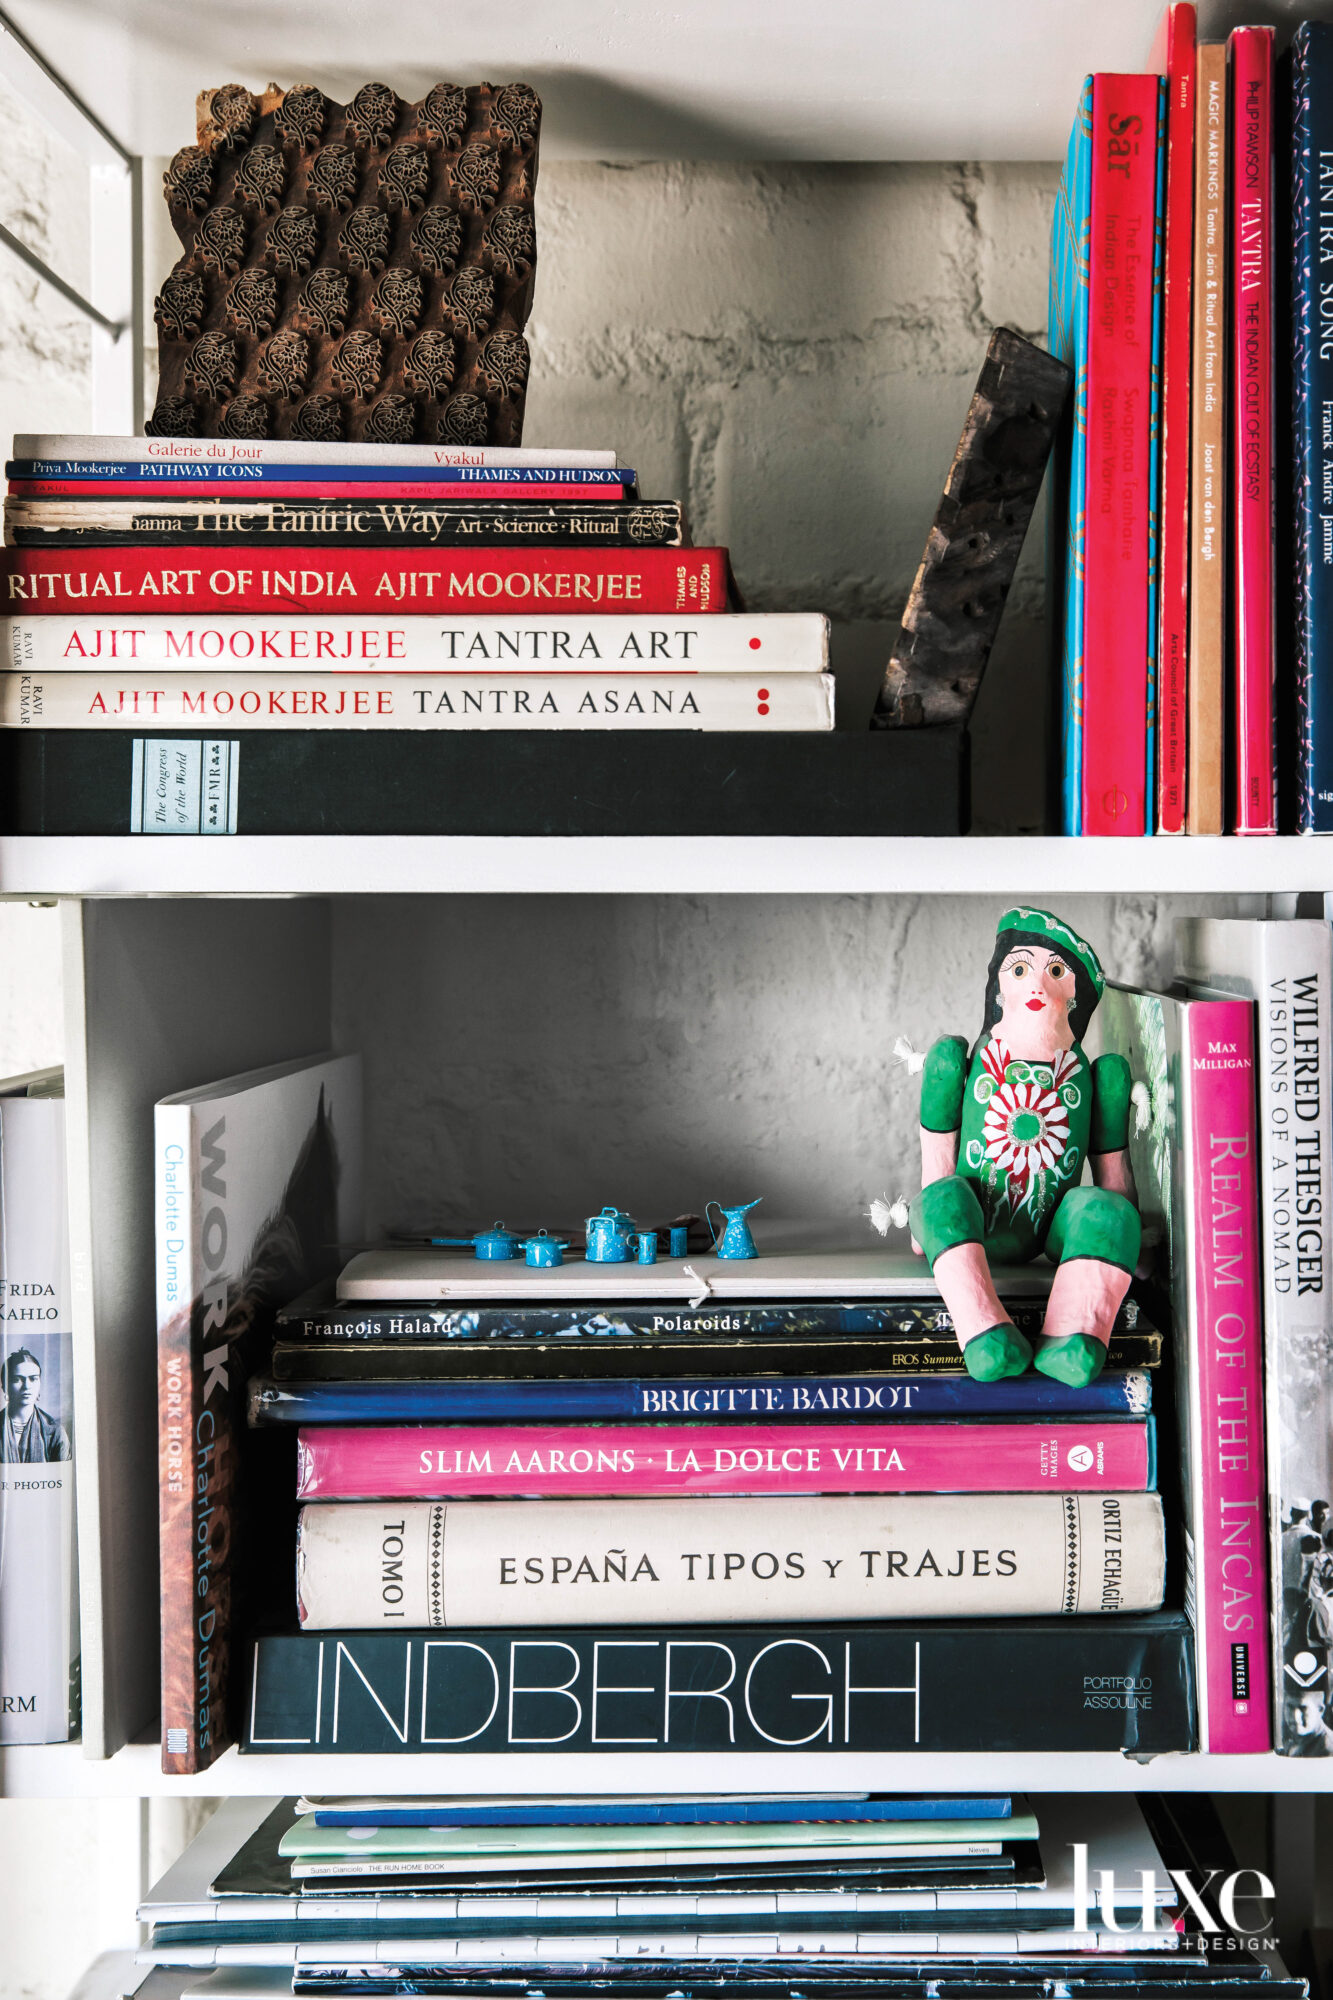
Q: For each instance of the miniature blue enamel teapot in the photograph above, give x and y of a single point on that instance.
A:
(611, 1237)
(735, 1240)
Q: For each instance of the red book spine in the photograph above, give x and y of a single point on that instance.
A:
(1253, 629)
(1178, 64)
(1115, 557)
(1226, 1419)
(154, 578)
(310, 489)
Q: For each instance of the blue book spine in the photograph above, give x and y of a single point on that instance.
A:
(1067, 337)
(719, 1812)
(1311, 76)
(875, 1397)
(1155, 467)
(170, 472)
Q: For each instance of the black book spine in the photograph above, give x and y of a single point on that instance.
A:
(560, 783)
(370, 524)
(1117, 1683)
(551, 1360)
(922, 1321)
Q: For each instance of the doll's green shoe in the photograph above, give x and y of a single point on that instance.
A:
(1076, 1359)
(994, 1355)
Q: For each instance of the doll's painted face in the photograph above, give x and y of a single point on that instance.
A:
(1036, 994)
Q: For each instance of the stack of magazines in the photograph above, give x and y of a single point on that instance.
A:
(834, 1894)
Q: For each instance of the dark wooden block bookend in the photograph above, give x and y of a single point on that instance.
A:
(356, 271)
(953, 612)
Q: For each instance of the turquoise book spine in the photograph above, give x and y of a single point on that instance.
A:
(1067, 336)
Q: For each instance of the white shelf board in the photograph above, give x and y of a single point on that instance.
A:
(323, 864)
(62, 1771)
(703, 79)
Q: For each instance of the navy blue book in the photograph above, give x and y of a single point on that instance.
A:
(876, 1397)
(660, 1812)
(1311, 129)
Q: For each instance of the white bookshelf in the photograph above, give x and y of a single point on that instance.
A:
(192, 958)
(334, 865)
(58, 1770)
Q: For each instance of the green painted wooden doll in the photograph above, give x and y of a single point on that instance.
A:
(1004, 1134)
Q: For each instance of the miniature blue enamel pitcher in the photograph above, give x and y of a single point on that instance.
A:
(610, 1237)
(735, 1240)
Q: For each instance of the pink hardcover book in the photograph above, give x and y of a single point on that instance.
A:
(436, 1462)
(1120, 446)
(1196, 1177)
(1254, 640)
(1226, 1417)
(388, 488)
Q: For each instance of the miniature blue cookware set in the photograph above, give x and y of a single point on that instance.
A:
(612, 1238)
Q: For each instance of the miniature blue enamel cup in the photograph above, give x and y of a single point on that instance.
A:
(647, 1242)
(680, 1241)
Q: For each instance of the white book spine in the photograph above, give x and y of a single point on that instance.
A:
(768, 643)
(403, 700)
(210, 452)
(38, 1602)
(418, 1565)
(1287, 968)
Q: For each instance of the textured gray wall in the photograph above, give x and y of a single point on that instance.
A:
(534, 1057)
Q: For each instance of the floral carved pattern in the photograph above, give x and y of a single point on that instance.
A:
(320, 419)
(372, 115)
(405, 178)
(188, 181)
(397, 300)
(476, 178)
(331, 184)
(211, 368)
(293, 241)
(323, 304)
(504, 364)
(299, 119)
(510, 240)
(251, 305)
(437, 238)
(246, 417)
(469, 300)
(260, 180)
(429, 367)
(392, 420)
(443, 115)
(180, 306)
(219, 241)
(463, 420)
(516, 113)
(363, 240)
(357, 365)
(284, 364)
(173, 417)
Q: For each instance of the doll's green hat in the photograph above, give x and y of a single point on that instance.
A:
(1040, 923)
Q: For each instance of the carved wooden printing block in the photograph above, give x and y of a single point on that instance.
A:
(359, 271)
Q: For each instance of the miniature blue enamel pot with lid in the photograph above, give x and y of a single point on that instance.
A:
(544, 1251)
(610, 1237)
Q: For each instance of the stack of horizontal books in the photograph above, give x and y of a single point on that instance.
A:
(214, 633)
(833, 1894)
(705, 1503)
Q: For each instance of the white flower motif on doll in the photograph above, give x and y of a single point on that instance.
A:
(1025, 1130)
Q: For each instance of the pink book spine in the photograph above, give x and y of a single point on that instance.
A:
(1229, 1513)
(311, 490)
(1254, 636)
(1120, 444)
(499, 1461)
